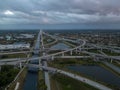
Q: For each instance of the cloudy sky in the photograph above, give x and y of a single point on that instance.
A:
(53, 13)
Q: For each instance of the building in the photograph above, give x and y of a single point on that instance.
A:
(27, 36)
(1, 37)
(14, 46)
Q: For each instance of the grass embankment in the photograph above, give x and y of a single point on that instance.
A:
(54, 51)
(75, 44)
(41, 81)
(20, 79)
(110, 53)
(62, 82)
(13, 56)
(72, 61)
(69, 44)
(116, 63)
(74, 53)
(94, 51)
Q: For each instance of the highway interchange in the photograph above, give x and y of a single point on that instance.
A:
(45, 56)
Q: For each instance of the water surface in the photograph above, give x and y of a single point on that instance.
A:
(60, 46)
(98, 73)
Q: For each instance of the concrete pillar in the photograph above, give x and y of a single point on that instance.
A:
(76, 51)
(40, 64)
(62, 54)
(111, 60)
(82, 47)
(79, 50)
(101, 49)
(52, 57)
(111, 51)
(20, 65)
(0, 68)
(39, 61)
(94, 58)
(0, 56)
(97, 58)
(70, 52)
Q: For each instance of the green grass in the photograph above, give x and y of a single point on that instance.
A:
(111, 53)
(20, 79)
(67, 83)
(41, 82)
(116, 63)
(77, 54)
(69, 44)
(13, 56)
(64, 62)
(7, 75)
(54, 51)
(93, 50)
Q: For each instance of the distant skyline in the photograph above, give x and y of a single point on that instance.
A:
(59, 14)
(61, 26)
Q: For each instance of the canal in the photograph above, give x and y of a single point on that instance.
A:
(98, 73)
(60, 46)
(32, 74)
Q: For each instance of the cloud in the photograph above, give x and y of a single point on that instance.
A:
(8, 12)
(59, 11)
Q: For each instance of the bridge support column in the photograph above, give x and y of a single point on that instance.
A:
(20, 65)
(52, 57)
(79, 50)
(76, 51)
(40, 64)
(111, 60)
(97, 58)
(94, 58)
(0, 68)
(62, 54)
(101, 49)
(71, 53)
(111, 51)
(83, 47)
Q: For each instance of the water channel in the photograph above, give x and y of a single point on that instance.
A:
(32, 74)
(97, 72)
(60, 46)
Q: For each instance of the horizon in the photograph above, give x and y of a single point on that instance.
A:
(62, 27)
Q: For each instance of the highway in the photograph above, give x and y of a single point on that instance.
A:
(49, 56)
(101, 55)
(104, 47)
(47, 79)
